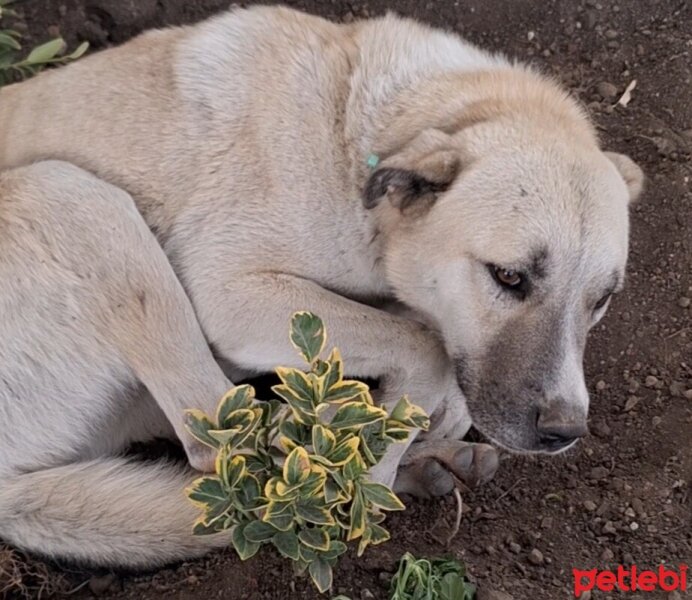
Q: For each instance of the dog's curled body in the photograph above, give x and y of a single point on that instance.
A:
(243, 143)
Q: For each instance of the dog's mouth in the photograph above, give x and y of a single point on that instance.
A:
(535, 445)
(536, 450)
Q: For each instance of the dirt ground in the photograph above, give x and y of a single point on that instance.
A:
(622, 497)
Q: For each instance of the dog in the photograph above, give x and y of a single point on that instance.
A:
(165, 207)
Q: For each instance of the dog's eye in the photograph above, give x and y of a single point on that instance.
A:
(507, 277)
(602, 302)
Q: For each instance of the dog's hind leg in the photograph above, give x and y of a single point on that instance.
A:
(91, 311)
(109, 511)
(90, 314)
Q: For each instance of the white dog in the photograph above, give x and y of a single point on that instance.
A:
(224, 176)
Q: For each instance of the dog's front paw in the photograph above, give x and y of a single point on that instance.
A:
(430, 467)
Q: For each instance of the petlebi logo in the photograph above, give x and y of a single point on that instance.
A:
(631, 579)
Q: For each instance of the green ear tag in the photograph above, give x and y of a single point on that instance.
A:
(373, 161)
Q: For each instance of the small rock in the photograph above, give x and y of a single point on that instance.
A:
(656, 421)
(638, 506)
(600, 385)
(366, 594)
(611, 34)
(651, 381)
(601, 429)
(606, 90)
(603, 508)
(634, 526)
(626, 316)
(589, 505)
(585, 595)
(609, 528)
(514, 547)
(536, 557)
(684, 302)
(101, 585)
(598, 473)
(607, 555)
(629, 512)
(632, 401)
(688, 394)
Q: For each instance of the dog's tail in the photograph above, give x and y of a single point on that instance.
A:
(110, 512)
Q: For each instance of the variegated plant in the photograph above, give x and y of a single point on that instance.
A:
(13, 68)
(295, 473)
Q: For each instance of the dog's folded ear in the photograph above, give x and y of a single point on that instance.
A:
(630, 172)
(416, 174)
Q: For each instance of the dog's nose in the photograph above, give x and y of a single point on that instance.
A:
(557, 430)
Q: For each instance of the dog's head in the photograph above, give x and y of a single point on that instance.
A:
(512, 238)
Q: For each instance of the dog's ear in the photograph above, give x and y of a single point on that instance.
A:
(630, 171)
(415, 175)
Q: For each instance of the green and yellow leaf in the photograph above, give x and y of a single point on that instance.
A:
(314, 537)
(323, 440)
(313, 512)
(286, 542)
(242, 545)
(297, 467)
(198, 424)
(344, 391)
(259, 531)
(321, 574)
(238, 398)
(356, 414)
(308, 335)
(381, 496)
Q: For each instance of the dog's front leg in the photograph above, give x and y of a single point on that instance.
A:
(252, 333)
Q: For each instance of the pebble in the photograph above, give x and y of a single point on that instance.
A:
(651, 381)
(609, 528)
(536, 557)
(601, 385)
(601, 429)
(607, 555)
(607, 91)
(514, 547)
(611, 34)
(589, 505)
(632, 401)
(634, 526)
(366, 594)
(684, 302)
(688, 394)
(598, 473)
(101, 585)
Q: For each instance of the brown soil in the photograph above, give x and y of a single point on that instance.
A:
(624, 495)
